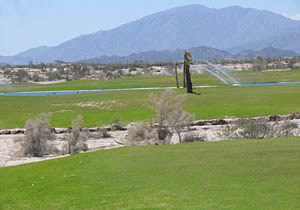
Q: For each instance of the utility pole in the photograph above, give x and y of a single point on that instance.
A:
(186, 69)
(184, 76)
(176, 73)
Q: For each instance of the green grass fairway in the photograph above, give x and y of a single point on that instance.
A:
(249, 174)
(131, 106)
(155, 81)
(274, 76)
(129, 82)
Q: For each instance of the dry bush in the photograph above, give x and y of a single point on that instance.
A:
(170, 114)
(116, 125)
(284, 129)
(170, 118)
(192, 137)
(140, 134)
(256, 129)
(76, 139)
(178, 121)
(37, 139)
(229, 131)
(253, 129)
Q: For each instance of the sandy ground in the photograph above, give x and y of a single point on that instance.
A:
(49, 82)
(9, 148)
(277, 70)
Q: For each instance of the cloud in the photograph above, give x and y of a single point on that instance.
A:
(296, 17)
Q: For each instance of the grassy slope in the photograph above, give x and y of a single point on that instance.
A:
(212, 103)
(254, 174)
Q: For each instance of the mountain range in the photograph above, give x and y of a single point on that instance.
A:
(266, 52)
(199, 53)
(234, 29)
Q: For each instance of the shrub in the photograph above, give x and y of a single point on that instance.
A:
(37, 139)
(140, 134)
(170, 114)
(284, 129)
(257, 129)
(116, 125)
(77, 139)
(170, 117)
(36, 77)
(192, 137)
(253, 129)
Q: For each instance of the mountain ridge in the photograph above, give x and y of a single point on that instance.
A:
(231, 28)
(199, 53)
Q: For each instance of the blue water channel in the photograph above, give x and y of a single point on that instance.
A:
(72, 92)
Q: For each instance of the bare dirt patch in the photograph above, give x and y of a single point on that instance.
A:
(105, 105)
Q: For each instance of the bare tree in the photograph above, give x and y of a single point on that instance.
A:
(77, 139)
(178, 121)
(36, 141)
(170, 114)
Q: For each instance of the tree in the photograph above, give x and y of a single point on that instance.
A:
(187, 63)
(37, 138)
(170, 114)
(77, 139)
(21, 76)
(36, 77)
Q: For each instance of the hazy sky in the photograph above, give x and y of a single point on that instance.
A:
(30, 23)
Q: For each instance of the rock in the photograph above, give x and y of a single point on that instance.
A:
(17, 131)
(93, 130)
(200, 123)
(69, 130)
(60, 130)
(275, 118)
(131, 125)
(219, 122)
(107, 128)
(296, 116)
(52, 130)
(118, 128)
(5, 132)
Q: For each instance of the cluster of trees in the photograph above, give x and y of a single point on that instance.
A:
(263, 63)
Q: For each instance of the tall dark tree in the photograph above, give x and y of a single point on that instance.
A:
(187, 74)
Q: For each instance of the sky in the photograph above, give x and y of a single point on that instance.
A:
(26, 24)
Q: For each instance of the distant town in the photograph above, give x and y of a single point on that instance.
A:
(67, 71)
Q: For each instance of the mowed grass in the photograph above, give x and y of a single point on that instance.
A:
(129, 82)
(273, 76)
(154, 81)
(246, 174)
(132, 106)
